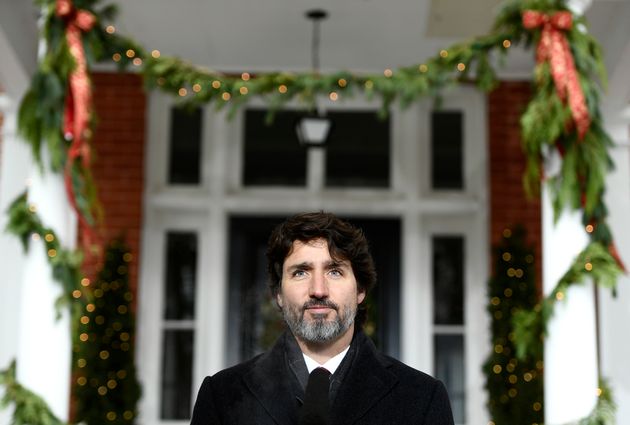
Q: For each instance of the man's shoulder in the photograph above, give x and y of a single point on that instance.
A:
(261, 366)
(238, 370)
(404, 371)
(399, 369)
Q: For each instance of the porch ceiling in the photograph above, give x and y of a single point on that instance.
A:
(361, 35)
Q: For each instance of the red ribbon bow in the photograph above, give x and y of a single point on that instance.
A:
(78, 100)
(554, 47)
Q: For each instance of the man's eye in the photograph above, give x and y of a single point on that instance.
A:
(336, 272)
(299, 273)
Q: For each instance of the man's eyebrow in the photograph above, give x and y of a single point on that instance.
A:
(304, 265)
(337, 263)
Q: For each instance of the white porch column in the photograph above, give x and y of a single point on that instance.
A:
(14, 165)
(571, 379)
(570, 347)
(28, 292)
(15, 162)
(615, 311)
(44, 351)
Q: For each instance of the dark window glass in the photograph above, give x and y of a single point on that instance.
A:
(185, 146)
(273, 156)
(447, 159)
(254, 321)
(449, 368)
(177, 374)
(448, 280)
(181, 270)
(358, 150)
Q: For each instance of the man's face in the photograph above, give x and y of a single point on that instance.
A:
(318, 295)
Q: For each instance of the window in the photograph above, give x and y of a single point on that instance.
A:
(358, 151)
(448, 318)
(273, 157)
(185, 146)
(178, 331)
(447, 150)
(357, 154)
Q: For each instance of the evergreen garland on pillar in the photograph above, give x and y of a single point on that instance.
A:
(514, 385)
(105, 386)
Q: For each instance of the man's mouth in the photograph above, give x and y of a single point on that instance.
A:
(320, 308)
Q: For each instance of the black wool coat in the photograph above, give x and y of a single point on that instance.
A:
(376, 390)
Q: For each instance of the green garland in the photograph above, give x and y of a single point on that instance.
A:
(30, 409)
(530, 326)
(65, 264)
(605, 408)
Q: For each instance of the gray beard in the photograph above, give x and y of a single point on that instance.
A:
(318, 330)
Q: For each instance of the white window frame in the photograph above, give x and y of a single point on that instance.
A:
(207, 208)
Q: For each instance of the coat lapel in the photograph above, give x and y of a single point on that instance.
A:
(366, 382)
(274, 385)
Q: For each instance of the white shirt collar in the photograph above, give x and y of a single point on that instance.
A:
(331, 365)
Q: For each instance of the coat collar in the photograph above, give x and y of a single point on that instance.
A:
(367, 381)
(274, 384)
(279, 391)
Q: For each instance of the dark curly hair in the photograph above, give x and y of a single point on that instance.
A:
(345, 242)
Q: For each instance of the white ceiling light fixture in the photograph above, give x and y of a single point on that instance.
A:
(313, 130)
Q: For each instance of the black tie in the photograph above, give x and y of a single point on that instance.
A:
(316, 409)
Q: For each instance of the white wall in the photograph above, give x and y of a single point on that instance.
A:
(28, 329)
(615, 312)
(14, 166)
(13, 169)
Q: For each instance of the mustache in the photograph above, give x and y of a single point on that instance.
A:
(320, 303)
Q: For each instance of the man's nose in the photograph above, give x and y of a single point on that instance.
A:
(319, 286)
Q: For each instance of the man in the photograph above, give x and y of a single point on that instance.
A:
(320, 271)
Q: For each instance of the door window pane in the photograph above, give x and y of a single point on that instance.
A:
(178, 325)
(181, 270)
(448, 280)
(449, 326)
(447, 155)
(177, 364)
(272, 154)
(449, 368)
(185, 146)
(357, 154)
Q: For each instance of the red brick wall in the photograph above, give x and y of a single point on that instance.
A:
(509, 205)
(118, 168)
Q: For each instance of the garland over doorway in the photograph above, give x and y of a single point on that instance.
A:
(563, 114)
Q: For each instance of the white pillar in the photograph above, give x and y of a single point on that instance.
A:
(615, 311)
(14, 165)
(570, 348)
(571, 379)
(44, 350)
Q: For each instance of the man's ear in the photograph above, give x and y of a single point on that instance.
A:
(279, 300)
(360, 296)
